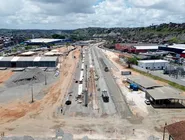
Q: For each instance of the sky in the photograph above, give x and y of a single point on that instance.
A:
(73, 14)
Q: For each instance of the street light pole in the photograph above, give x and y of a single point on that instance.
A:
(164, 131)
(32, 94)
(45, 79)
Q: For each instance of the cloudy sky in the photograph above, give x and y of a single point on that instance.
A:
(72, 14)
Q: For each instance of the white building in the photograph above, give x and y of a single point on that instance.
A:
(153, 64)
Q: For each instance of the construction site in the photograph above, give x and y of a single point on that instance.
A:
(83, 95)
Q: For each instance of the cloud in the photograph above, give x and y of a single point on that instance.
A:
(70, 14)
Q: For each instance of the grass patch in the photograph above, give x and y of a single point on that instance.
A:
(175, 85)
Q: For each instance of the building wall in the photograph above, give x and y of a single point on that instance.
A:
(153, 65)
(5, 64)
(182, 55)
(22, 64)
(121, 47)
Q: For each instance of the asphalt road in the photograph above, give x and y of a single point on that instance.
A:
(115, 92)
(106, 81)
(107, 108)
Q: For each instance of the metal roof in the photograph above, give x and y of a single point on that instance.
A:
(15, 59)
(43, 40)
(35, 59)
(49, 53)
(26, 59)
(177, 130)
(6, 58)
(28, 53)
(174, 46)
(162, 93)
(143, 81)
(153, 61)
(146, 47)
(48, 58)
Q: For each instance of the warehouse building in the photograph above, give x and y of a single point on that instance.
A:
(142, 49)
(21, 62)
(47, 41)
(136, 48)
(158, 95)
(165, 97)
(153, 64)
(176, 48)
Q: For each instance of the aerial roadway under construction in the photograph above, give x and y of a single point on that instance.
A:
(94, 90)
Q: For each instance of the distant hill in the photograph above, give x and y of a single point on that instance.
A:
(163, 33)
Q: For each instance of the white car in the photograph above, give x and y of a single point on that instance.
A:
(147, 102)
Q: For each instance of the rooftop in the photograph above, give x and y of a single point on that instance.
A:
(162, 93)
(53, 58)
(176, 46)
(26, 58)
(177, 130)
(49, 53)
(43, 40)
(143, 81)
(146, 47)
(35, 59)
(153, 61)
(28, 53)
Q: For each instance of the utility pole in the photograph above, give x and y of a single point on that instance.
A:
(32, 94)
(86, 75)
(164, 131)
(45, 79)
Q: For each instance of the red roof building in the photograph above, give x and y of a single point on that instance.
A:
(176, 131)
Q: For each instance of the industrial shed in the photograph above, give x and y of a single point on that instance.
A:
(48, 62)
(20, 62)
(25, 62)
(153, 64)
(5, 61)
(167, 96)
(143, 82)
(176, 48)
(136, 48)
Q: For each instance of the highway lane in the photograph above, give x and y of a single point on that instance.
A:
(116, 95)
(108, 62)
(105, 82)
(107, 108)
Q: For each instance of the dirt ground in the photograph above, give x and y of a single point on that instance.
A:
(17, 114)
(43, 117)
(5, 75)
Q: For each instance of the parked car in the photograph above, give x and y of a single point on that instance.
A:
(147, 102)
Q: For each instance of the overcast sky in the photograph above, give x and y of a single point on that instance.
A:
(72, 14)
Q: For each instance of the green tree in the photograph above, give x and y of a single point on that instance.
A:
(57, 36)
(14, 50)
(173, 40)
(131, 61)
(28, 47)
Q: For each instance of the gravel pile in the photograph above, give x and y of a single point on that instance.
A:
(35, 75)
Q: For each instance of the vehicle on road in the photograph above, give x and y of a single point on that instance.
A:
(105, 67)
(147, 102)
(105, 96)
